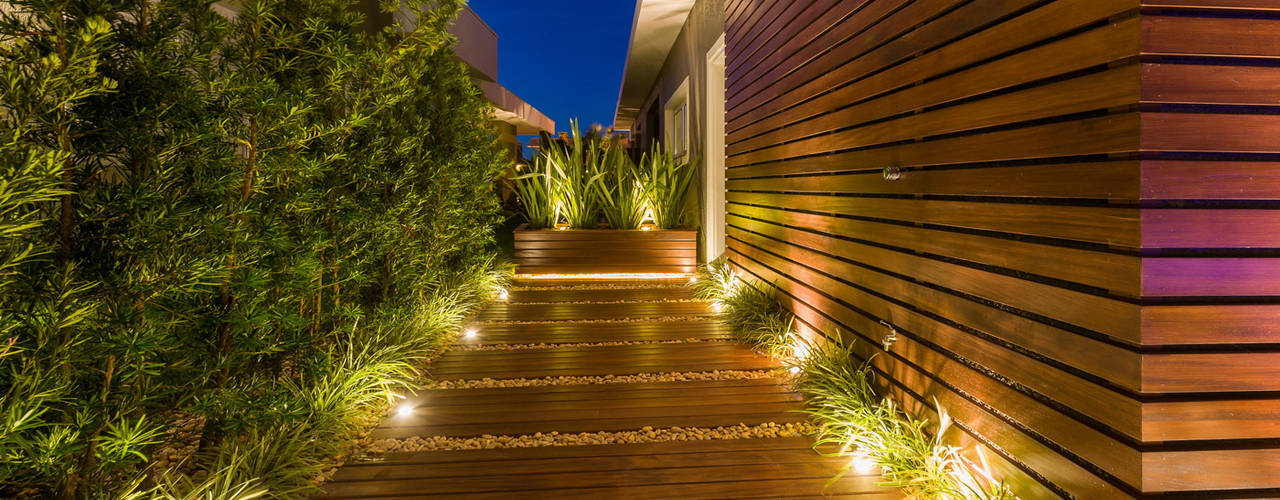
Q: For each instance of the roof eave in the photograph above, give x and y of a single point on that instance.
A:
(660, 21)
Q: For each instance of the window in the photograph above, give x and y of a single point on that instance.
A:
(677, 121)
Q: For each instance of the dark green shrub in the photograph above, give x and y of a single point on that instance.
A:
(266, 220)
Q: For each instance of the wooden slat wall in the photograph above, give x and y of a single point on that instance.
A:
(1211, 142)
(1078, 255)
(606, 251)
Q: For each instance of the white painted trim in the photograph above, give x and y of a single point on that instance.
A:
(713, 219)
(678, 103)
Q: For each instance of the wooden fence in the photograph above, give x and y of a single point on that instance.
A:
(1066, 212)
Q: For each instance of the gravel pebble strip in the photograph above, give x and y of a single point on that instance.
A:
(540, 439)
(653, 319)
(518, 347)
(488, 383)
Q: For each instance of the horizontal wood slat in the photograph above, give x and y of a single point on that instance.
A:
(1113, 134)
(1107, 43)
(1103, 225)
(1076, 240)
(1103, 270)
(1104, 452)
(605, 251)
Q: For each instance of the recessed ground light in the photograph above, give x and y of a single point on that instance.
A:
(862, 464)
(404, 410)
(470, 333)
(795, 369)
(503, 294)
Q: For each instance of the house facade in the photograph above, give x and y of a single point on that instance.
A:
(1053, 220)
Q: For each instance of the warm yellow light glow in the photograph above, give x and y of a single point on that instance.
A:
(604, 276)
(862, 464)
(646, 228)
(562, 226)
(800, 348)
(503, 294)
(795, 370)
(693, 279)
(648, 219)
(717, 306)
(470, 333)
(404, 410)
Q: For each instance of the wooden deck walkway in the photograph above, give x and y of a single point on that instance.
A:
(664, 331)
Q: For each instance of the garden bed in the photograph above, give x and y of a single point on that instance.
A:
(600, 251)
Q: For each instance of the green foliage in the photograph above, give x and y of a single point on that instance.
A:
(591, 175)
(573, 169)
(620, 190)
(842, 399)
(752, 311)
(537, 197)
(667, 184)
(267, 220)
(850, 415)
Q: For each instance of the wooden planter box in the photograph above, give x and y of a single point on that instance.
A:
(595, 251)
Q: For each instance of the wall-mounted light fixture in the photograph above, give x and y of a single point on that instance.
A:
(892, 173)
(889, 338)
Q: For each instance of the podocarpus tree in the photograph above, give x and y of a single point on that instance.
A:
(267, 219)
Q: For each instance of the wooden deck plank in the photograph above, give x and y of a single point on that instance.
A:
(731, 468)
(576, 480)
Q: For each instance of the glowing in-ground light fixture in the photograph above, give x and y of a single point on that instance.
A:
(470, 333)
(717, 306)
(862, 464)
(404, 410)
(503, 294)
(795, 370)
(693, 279)
(799, 348)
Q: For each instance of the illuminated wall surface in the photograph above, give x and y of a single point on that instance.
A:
(1065, 209)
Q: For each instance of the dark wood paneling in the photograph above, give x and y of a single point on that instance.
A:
(1102, 225)
(1080, 238)
(1092, 268)
(1109, 43)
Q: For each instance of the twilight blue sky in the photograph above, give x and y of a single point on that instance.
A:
(563, 57)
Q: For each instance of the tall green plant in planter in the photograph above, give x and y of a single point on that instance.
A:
(666, 180)
(537, 197)
(573, 169)
(620, 189)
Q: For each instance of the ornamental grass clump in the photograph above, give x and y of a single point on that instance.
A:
(842, 400)
(854, 418)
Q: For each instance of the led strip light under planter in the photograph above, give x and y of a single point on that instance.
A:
(606, 276)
